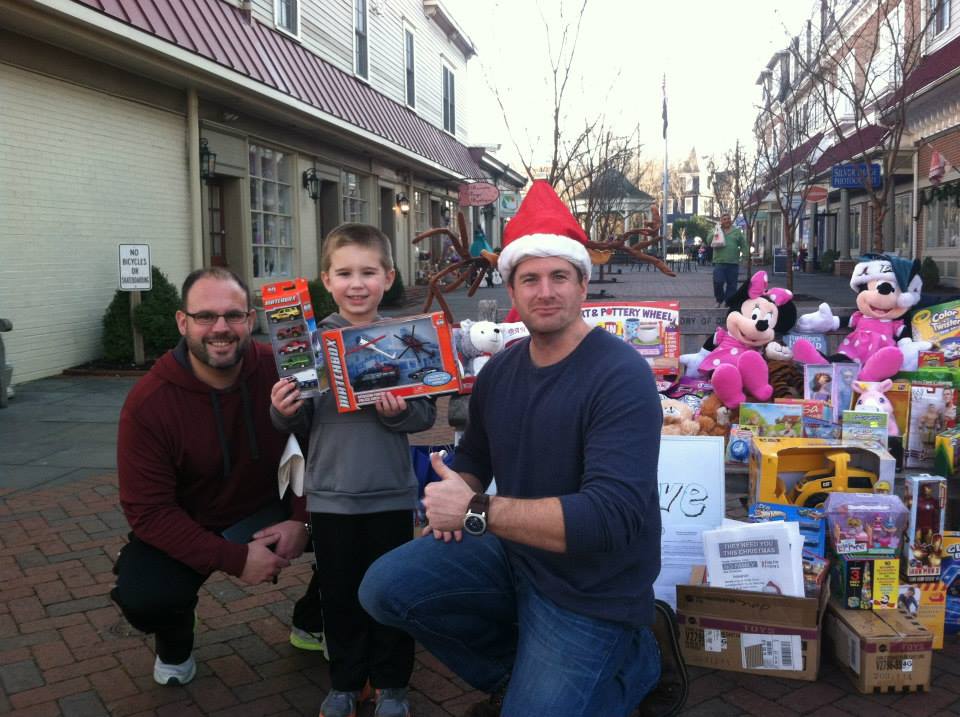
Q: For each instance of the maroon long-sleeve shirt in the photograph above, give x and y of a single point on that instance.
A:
(194, 460)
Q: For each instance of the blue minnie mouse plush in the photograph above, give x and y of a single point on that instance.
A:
(887, 288)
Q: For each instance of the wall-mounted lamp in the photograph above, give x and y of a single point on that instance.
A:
(403, 204)
(311, 182)
(208, 161)
(445, 213)
(488, 211)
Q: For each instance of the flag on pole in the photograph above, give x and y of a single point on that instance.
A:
(664, 115)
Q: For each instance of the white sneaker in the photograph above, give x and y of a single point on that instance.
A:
(164, 674)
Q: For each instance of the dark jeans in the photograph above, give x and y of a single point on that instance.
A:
(488, 623)
(157, 595)
(360, 648)
(725, 274)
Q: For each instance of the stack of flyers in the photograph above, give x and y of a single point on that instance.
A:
(757, 557)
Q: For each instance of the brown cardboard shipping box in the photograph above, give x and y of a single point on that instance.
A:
(886, 651)
(750, 632)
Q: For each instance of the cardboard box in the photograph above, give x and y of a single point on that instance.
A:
(946, 453)
(772, 419)
(409, 357)
(812, 521)
(926, 500)
(926, 603)
(750, 632)
(886, 651)
(778, 464)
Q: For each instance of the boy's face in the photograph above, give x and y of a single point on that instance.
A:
(357, 281)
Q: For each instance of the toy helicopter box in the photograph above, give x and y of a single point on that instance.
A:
(940, 325)
(293, 335)
(926, 499)
(409, 357)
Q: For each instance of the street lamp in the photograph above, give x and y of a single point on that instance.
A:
(208, 161)
(311, 182)
(403, 204)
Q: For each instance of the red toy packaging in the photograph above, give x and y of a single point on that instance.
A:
(926, 498)
(410, 357)
(293, 335)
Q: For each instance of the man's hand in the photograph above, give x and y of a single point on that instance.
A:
(290, 537)
(446, 502)
(390, 406)
(285, 396)
(262, 563)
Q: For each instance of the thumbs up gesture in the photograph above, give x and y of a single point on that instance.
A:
(446, 502)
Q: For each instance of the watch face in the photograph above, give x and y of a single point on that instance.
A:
(475, 524)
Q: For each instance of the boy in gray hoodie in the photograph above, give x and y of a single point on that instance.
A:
(359, 484)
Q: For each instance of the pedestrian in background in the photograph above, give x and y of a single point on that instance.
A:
(728, 245)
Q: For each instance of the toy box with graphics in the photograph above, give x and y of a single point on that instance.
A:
(293, 335)
(932, 409)
(650, 327)
(940, 325)
(926, 499)
(925, 603)
(832, 383)
(950, 577)
(410, 357)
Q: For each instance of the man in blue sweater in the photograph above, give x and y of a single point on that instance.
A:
(546, 603)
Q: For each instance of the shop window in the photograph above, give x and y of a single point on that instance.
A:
(902, 217)
(271, 211)
(855, 231)
(942, 224)
(356, 199)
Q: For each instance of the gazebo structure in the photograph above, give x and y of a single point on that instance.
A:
(611, 204)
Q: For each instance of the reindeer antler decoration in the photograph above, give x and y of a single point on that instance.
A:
(650, 229)
(461, 269)
(487, 261)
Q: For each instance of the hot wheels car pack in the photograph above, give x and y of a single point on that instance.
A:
(410, 357)
(293, 335)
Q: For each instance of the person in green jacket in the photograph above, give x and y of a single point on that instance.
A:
(726, 260)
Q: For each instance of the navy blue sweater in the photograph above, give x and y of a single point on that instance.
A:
(586, 429)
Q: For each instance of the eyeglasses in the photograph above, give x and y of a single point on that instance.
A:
(209, 318)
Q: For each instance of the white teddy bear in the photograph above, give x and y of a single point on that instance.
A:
(477, 342)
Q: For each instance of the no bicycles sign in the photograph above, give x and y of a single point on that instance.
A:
(135, 270)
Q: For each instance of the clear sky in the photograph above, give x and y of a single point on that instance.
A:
(711, 53)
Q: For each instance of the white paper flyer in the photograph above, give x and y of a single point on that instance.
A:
(759, 557)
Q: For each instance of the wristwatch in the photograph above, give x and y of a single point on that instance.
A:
(309, 529)
(475, 521)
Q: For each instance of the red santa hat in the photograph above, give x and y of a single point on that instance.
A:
(543, 226)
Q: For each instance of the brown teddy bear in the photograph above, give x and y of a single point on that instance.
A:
(714, 418)
(678, 418)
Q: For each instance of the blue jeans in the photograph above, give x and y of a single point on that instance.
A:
(466, 605)
(725, 274)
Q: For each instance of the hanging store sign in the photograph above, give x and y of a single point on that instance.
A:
(853, 175)
(509, 203)
(478, 194)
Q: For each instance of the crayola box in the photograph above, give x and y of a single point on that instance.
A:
(293, 335)
(940, 325)
(409, 357)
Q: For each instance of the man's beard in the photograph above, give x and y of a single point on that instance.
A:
(198, 347)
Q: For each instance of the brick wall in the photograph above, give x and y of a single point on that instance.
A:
(83, 172)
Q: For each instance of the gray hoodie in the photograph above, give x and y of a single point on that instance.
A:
(357, 462)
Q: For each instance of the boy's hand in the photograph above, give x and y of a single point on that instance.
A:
(262, 563)
(290, 537)
(390, 406)
(285, 396)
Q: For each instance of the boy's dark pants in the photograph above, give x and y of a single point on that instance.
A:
(360, 648)
(158, 594)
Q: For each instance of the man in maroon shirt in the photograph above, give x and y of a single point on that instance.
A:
(197, 455)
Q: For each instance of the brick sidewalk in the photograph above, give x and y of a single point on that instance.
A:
(66, 650)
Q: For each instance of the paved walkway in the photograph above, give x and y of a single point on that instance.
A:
(65, 650)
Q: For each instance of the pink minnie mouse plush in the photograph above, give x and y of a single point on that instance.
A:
(732, 356)
(887, 288)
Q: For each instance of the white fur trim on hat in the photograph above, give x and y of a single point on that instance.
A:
(542, 245)
(873, 270)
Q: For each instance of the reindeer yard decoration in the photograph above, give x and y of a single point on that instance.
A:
(457, 273)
